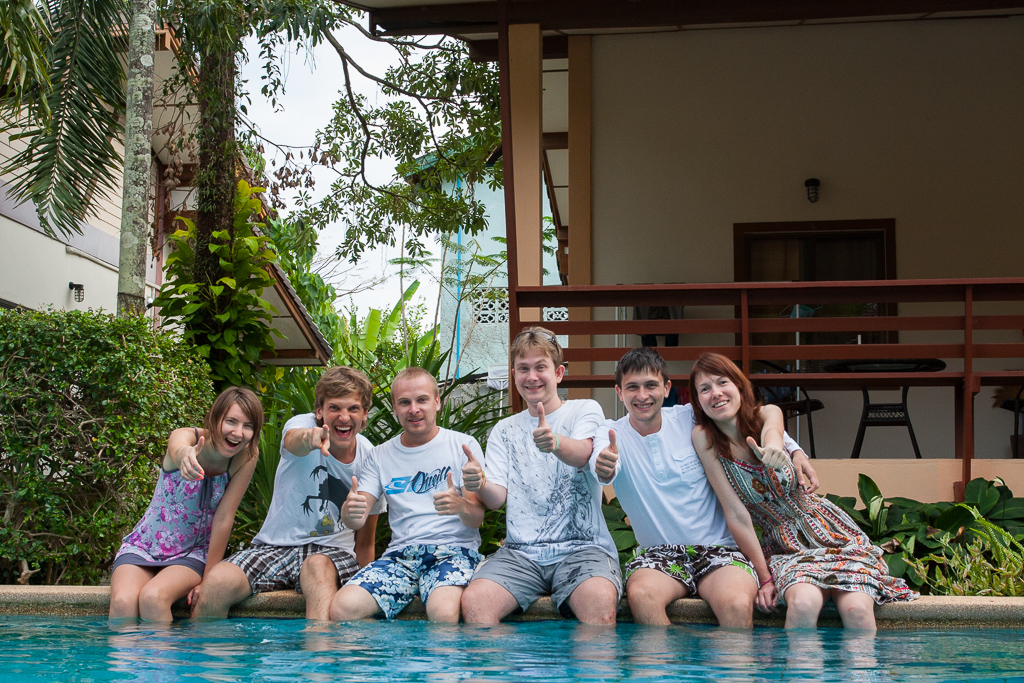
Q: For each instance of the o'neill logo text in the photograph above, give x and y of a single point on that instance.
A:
(421, 482)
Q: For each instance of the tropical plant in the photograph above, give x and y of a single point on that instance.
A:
(621, 531)
(227, 319)
(989, 562)
(86, 404)
(908, 530)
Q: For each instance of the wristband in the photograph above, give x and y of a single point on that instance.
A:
(556, 441)
(761, 584)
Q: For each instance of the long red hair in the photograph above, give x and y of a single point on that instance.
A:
(748, 419)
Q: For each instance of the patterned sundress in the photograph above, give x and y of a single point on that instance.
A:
(176, 527)
(806, 538)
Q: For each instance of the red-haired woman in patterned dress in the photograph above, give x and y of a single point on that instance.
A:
(814, 550)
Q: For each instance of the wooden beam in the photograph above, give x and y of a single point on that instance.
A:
(526, 88)
(579, 142)
(554, 47)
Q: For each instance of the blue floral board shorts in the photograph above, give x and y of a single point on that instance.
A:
(398, 576)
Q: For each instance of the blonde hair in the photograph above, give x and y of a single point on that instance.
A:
(411, 374)
(536, 337)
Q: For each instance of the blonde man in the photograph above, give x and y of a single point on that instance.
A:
(303, 543)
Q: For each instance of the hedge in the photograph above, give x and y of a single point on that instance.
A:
(86, 403)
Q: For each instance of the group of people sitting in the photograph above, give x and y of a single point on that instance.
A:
(693, 479)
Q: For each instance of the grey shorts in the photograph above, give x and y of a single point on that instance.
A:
(688, 563)
(276, 568)
(526, 580)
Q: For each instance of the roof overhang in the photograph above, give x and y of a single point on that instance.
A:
(476, 21)
(302, 342)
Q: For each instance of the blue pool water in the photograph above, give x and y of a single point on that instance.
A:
(89, 649)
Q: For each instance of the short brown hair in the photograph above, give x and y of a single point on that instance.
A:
(643, 359)
(341, 381)
(249, 403)
(536, 337)
(410, 374)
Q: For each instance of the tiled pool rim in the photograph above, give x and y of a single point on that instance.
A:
(930, 612)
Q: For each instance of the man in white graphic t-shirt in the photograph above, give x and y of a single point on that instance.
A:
(434, 526)
(689, 544)
(537, 462)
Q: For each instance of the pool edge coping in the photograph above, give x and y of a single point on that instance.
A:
(931, 611)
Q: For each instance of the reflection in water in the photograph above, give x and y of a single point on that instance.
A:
(295, 650)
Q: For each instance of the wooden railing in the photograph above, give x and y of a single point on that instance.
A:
(723, 311)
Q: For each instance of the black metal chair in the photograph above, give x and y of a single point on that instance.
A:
(790, 405)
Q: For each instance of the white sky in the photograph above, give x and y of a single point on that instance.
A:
(310, 93)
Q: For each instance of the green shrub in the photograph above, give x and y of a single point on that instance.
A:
(86, 403)
(914, 534)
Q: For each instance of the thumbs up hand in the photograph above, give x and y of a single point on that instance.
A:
(544, 437)
(449, 502)
(606, 459)
(189, 467)
(771, 456)
(353, 510)
(473, 477)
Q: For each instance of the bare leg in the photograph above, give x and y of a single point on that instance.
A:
(225, 585)
(856, 609)
(444, 603)
(351, 603)
(319, 580)
(170, 584)
(650, 592)
(486, 602)
(730, 591)
(595, 601)
(803, 605)
(125, 585)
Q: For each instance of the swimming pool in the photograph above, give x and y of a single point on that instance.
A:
(87, 649)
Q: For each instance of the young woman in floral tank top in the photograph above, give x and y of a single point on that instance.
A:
(185, 529)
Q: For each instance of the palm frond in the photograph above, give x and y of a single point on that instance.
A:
(23, 63)
(70, 159)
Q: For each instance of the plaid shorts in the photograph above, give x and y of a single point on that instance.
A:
(398, 576)
(688, 563)
(276, 568)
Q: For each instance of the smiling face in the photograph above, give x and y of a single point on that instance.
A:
(416, 402)
(719, 397)
(344, 417)
(643, 394)
(236, 431)
(537, 377)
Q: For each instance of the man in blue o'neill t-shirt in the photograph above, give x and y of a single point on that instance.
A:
(434, 525)
(688, 544)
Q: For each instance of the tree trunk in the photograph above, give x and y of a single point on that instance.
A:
(215, 180)
(138, 145)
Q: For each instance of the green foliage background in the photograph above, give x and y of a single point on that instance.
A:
(86, 404)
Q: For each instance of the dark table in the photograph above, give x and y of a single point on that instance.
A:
(885, 414)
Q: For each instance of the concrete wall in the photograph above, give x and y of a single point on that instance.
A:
(921, 121)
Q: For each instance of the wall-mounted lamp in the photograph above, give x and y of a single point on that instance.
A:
(812, 185)
(79, 291)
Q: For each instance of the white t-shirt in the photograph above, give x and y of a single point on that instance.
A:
(308, 494)
(408, 478)
(660, 482)
(552, 509)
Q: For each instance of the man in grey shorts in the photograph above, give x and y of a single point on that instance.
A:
(303, 543)
(557, 541)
